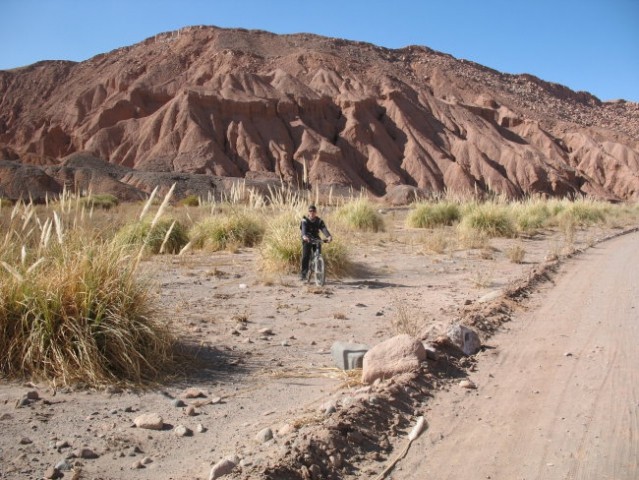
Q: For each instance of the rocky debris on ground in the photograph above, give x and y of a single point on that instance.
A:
(223, 467)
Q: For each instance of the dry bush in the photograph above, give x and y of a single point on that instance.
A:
(516, 254)
(228, 231)
(491, 219)
(406, 320)
(360, 215)
(73, 308)
(432, 215)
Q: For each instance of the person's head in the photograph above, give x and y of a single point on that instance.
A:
(312, 211)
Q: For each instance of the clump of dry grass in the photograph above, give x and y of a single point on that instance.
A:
(406, 320)
(228, 231)
(74, 310)
(359, 214)
(432, 215)
(516, 253)
(166, 235)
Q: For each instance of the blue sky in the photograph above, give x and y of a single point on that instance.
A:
(590, 45)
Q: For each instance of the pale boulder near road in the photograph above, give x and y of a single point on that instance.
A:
(558, 398)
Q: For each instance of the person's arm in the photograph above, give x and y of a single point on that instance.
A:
(325, 231)
(304, 232)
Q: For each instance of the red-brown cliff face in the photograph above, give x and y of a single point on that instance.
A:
(237, 103)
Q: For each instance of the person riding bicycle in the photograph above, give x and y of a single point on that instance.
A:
(311, 227)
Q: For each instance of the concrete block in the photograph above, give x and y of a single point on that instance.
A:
(348, 356)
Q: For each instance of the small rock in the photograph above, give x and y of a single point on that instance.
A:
(32, 395)
(178, 403)
(567, 354)
(85, 453)
(243, 285)
(147, 460)
(60, 444)
(64, 465)
(149, 421)
(266, 331)
(223, 467)
(285, 429)
(286, 343)
(25, 441)
(137, 465)
(200, 428)
(264, 435)
(193, 393)
(216, 400)
(191, 411)
(467, 384)
(182, 431)
(52, 473)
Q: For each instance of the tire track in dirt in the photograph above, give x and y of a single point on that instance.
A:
(558, 397)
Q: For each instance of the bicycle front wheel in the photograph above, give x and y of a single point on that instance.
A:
(320, 273)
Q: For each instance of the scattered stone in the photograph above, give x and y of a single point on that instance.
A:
(266, 331)
(25, 441)
(285, 429)
(149, 421)
(431, 352)
(400, 354)
(178, 403)
(85, 453)
(147, 460)
(567, 354)
(264, 435)
(22, 402)
(52, 473)
(286, 343)
(193, 393)
(216, 400)
(191, 411)
(490, 296)
(348, 356)
(221, 468)
(200, 428)
(465, 338)
(182, 431)
(64, 465)
(467, 384)
(137, 465)
(32, 395)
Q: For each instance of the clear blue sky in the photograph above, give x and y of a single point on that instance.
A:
(590, 45)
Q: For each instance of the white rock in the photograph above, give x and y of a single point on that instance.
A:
(150, 421)
(465, 338)
(182, 431)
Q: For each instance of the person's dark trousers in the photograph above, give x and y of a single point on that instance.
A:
(307, 250)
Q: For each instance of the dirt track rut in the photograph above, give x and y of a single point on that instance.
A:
(558, 396)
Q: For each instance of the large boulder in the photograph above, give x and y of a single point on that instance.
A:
(397, 355)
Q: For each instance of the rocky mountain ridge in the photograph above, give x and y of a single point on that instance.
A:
(210, 106)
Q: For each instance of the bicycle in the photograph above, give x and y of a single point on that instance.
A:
(316, 265)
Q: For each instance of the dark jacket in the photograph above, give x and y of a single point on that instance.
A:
(312, 228)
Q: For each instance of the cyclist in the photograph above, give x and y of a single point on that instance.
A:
(311, 227)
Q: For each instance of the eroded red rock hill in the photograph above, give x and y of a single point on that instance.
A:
(205, 103)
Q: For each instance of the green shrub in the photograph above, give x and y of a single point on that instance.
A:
(104, 201)
(190, 201)
(360, 215)
(167, 235)
(431, 215)
(491, 219)
(227, 231)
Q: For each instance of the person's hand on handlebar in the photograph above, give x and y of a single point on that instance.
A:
(305, 238)
(329, 239)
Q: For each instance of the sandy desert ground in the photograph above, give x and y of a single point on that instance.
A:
(547, 385)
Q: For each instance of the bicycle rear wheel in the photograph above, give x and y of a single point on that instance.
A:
(319, 271)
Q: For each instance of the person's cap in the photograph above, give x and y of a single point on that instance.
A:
(312, 208)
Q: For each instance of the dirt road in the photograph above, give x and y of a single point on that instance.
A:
(558, 396)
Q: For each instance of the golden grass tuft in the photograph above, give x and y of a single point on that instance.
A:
(228, 231)
(360, 215)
